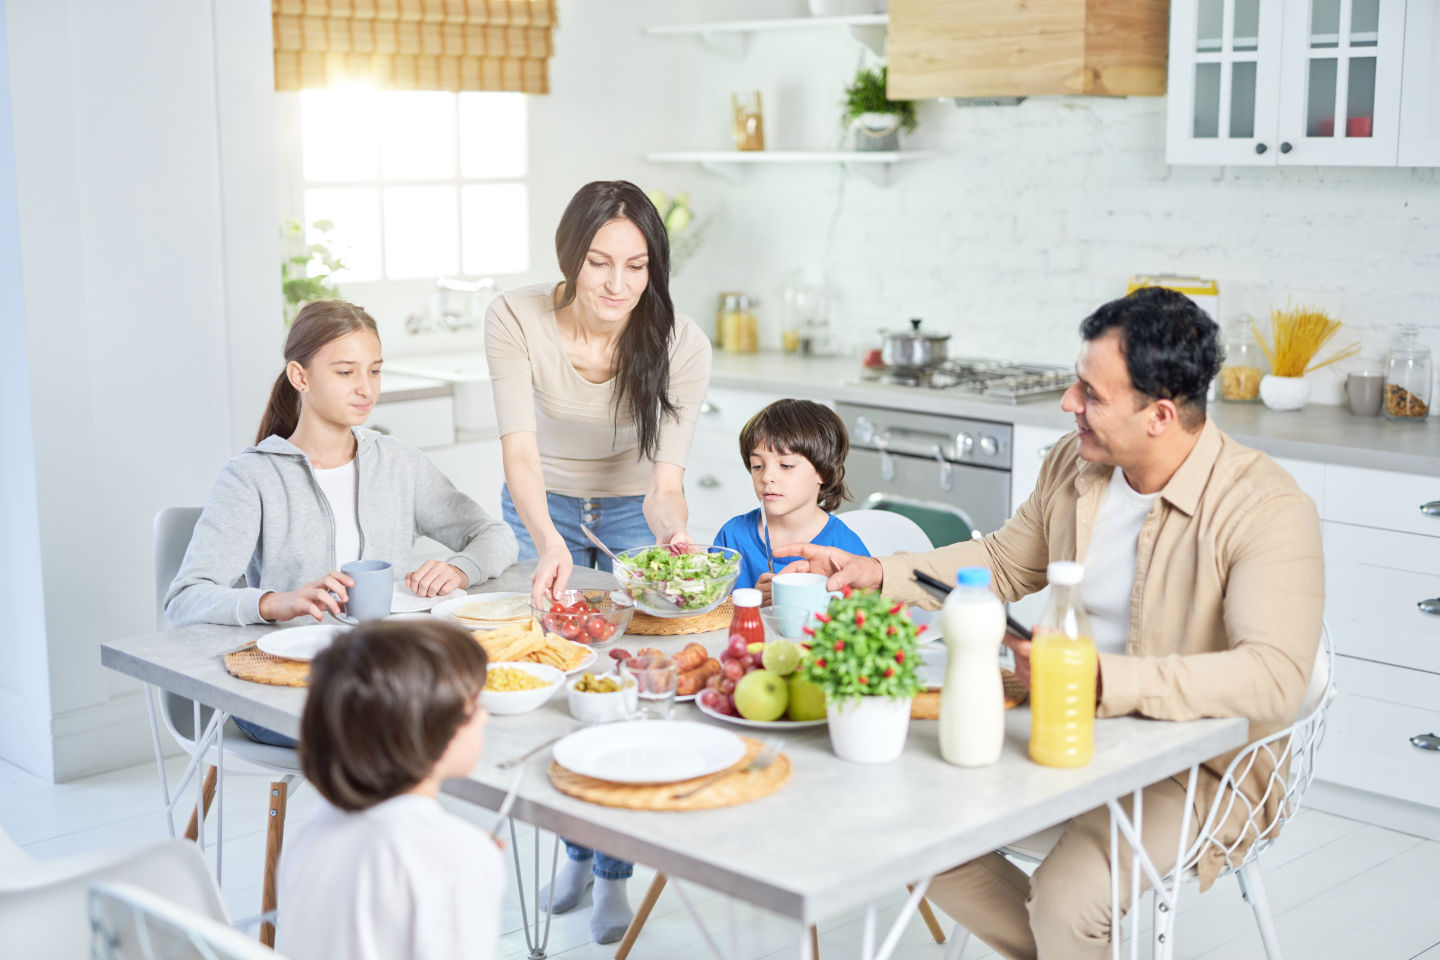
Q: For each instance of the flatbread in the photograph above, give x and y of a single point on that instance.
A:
(501, 610)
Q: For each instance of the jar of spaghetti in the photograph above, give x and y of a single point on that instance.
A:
(1245, 364)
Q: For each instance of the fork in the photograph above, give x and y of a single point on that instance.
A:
(763, 759)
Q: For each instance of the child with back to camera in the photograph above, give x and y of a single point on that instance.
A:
(381, 871)
(795, 450)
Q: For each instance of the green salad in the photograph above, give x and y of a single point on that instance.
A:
(687, 579)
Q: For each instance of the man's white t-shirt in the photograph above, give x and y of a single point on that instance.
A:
(1110, 562)
(403, 880)
(338, 485)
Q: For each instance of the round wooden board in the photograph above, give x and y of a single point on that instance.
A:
(926, 705)
(254, 664)
(644, 625)
(734, 789)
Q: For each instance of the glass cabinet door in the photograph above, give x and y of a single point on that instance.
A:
(1340, 91)
(1224, 73)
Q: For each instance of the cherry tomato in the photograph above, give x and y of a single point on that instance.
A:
(548, 622)
(568, 628)
(557, 607)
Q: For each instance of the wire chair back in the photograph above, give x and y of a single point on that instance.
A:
(130, 923)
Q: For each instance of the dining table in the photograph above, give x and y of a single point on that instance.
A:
(836, 837)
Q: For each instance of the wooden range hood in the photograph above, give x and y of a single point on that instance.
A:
(1018, 48)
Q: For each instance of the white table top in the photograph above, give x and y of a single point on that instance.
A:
(835, 837)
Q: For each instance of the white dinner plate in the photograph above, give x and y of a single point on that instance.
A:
(299, 643)
(404, 599)
(445, 609)
(760, 724)
(649, 751)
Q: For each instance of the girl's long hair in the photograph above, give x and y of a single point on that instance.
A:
(641, 366)
(319, 322)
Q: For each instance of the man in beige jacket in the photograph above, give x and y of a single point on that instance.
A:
(1204, 585)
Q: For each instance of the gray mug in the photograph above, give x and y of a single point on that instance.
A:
(370, 597)
(1364, 391)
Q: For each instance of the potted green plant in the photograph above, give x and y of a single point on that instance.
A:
(874, 117)
(862, 655)
(306, 268)
(681, 227)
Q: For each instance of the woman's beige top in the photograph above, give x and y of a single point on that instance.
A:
(584, 451)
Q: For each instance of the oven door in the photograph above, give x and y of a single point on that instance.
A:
(948, 501)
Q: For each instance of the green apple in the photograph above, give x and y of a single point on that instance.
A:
(782, 656)
(807, 701)
(761, 695)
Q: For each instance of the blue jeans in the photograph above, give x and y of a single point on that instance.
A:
(620, 522)
(263, 734)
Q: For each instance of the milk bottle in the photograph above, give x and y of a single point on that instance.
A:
(972, 702)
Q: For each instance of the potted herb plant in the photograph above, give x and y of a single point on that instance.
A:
(862, 655)
(876, 119)
(681, 227)
(306, 268)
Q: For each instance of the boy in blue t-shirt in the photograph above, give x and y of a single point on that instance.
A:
(796, 451)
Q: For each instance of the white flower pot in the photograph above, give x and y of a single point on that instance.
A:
(869, 729)
(1284, 393)
(876, 131)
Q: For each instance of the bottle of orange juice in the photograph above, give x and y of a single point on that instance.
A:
(1062, 675)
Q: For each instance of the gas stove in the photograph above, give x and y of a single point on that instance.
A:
(992, 379)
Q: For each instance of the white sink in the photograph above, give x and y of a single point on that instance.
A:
(469, 376)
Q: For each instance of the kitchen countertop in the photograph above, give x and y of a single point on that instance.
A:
(403, 386)
(1319, 433)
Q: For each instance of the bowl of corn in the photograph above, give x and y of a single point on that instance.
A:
(518, 687)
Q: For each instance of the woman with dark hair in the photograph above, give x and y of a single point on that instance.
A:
(598, 383)
(318, 490)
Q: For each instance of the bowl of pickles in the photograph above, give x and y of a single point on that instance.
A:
(597, 699)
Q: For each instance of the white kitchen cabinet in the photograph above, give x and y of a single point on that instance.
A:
(1375, 581)
(1030, 446)
(476, 470)
(424, 423)
(1420, 88)
(1367, 741)
(1301, 82)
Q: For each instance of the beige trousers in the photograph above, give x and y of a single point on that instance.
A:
(1063, 911)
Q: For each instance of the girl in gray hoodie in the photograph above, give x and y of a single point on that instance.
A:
(317, 490)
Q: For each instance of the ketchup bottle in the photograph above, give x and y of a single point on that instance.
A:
(745, 624)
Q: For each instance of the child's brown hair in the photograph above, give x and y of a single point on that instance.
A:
(809, 429)
(385, 701)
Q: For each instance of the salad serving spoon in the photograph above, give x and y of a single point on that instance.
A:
(633, 571)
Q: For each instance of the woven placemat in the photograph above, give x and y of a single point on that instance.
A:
(644, 625)
(252, 663)
(926, 705)
(735, 789)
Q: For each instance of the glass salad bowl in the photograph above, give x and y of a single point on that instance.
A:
(679, 580)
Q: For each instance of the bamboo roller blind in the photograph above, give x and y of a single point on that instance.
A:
(414, 44)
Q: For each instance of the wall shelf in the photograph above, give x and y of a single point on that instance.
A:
(732, 37)
(731, 164)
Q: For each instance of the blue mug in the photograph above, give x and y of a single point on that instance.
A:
(370, 597)
(803, 591)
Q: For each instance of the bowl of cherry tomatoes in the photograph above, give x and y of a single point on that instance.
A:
(593, 617)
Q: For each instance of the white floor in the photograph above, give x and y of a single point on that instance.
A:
(1338, 888)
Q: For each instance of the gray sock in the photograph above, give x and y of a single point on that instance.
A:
(571, 881)
(611, 914)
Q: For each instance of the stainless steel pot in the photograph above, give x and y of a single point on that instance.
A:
(914, 348)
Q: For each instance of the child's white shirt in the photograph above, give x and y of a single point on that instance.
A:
(403, 880)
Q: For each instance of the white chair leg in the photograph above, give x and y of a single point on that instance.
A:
(959, 936)
(1252, 888)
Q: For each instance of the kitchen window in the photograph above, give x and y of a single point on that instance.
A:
(417, 184)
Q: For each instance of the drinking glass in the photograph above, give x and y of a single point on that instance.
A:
(655, 679)
(747, 120)
(784, 621)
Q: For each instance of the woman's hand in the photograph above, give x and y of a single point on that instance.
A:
(841, 569)
(763, 585)
(676, 534)
(435, 579)
(324, 594)
(552, 573)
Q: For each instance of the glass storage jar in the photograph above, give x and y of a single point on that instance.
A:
(1407, 378)
(1244, 363)
(738, 327)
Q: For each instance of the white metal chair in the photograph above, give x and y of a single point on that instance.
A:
(216, 745)
(129, 923)
(42, 902)
(1291, 752)
(885, 532)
